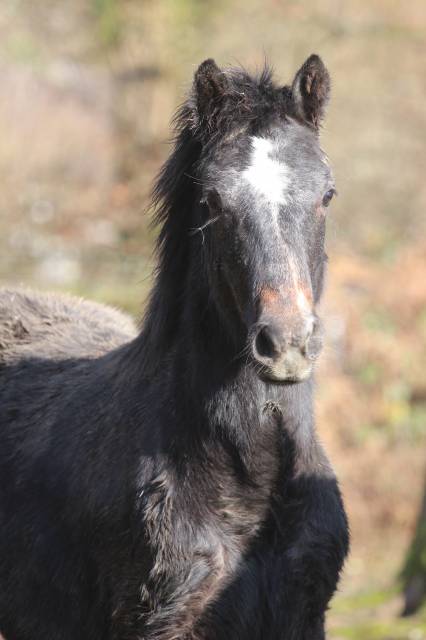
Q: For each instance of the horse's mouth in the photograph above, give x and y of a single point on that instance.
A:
(286, 372)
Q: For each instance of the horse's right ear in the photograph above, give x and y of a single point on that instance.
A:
(210, 87)
(311, 90)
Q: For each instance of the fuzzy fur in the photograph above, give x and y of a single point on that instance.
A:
(152, 485)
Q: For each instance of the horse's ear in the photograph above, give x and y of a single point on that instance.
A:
(210, 87)
(311, 90)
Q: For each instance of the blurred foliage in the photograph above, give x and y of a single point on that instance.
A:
(88, 90)
(108, 22)
(414, 571)
(371, 615)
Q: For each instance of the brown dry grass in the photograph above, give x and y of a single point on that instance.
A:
(81, 141)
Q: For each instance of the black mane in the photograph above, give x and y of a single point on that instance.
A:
(248, 105)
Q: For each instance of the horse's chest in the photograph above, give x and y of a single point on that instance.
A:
(233, 502)
(201, 531)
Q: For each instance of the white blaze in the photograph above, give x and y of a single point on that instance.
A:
(268, 177)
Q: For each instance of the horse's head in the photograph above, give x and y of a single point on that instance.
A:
(266, 186)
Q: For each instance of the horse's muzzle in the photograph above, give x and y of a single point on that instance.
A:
(282, 356)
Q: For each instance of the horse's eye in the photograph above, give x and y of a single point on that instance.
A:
(214, 200)
(327, 197)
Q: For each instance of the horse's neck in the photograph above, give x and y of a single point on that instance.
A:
(218, 392)
(206, 379)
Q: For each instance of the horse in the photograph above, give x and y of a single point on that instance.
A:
(167, 482)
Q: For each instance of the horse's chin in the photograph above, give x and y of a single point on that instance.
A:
(277, 376)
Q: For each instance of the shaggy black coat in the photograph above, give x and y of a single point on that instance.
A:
(152, 486)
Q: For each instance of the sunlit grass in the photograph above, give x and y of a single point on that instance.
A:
(365, 616)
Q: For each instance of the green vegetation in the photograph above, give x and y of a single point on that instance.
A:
(109, 24)
(373, 615)
(88, 92)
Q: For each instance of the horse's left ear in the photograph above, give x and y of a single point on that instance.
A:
(311, 90)
(210, 87)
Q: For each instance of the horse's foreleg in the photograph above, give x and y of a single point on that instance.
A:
(313, 526)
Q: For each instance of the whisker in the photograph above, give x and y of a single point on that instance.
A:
(195, 179)
(195, 230)
(245, 351)
(200, 229)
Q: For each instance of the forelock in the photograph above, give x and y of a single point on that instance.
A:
(249, 104)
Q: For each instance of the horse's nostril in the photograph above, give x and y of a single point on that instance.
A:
(266, 344)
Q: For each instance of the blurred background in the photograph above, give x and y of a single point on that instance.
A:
(87, 92)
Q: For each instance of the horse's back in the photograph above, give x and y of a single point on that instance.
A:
(49, 325)
(57, 370)
(58, 364)
(60, 359)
